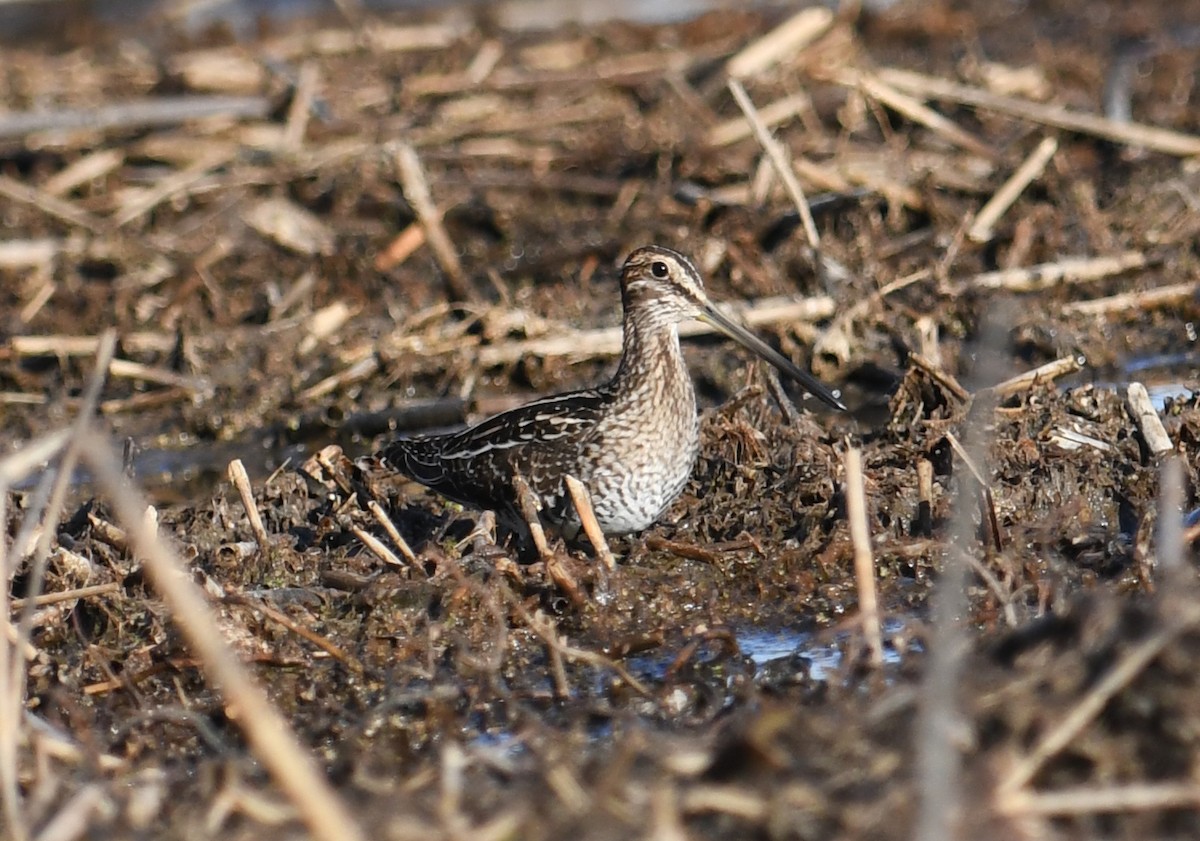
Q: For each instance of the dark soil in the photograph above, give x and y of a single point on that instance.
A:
(442, 702)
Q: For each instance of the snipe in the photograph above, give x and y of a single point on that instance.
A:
(632, 442)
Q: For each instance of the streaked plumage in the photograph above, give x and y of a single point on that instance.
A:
(632, 442)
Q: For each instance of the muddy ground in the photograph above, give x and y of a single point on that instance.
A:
(275, 290)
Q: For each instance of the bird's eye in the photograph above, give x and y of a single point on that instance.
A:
(659, 269)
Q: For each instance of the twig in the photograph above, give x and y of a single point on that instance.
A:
(1137, 400)
(1042, 374)
(241, 481)
(780, 161)
(587, 518)
(864, 563)
(786, 39)
(981, 229)
(1130, 134)
(384, 520)
(326, 817)
(416, 190)
(1046, 275)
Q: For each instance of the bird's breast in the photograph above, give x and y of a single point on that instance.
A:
(645, 452)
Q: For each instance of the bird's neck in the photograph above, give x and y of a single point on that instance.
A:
(651, 360)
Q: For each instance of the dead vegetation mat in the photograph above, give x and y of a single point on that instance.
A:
(404, 224)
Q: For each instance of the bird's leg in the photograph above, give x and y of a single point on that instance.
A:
(529, 506)
(582, 501)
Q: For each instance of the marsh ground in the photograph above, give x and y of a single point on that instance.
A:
(275, 292)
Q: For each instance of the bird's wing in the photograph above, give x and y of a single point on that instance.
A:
(543, 440)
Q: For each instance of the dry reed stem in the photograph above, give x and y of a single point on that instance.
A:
(784, 41)
(125, 369)
(725, 800)
(582, 501)
(1101, 799)
(384, 520)
(982, 229)
(1148, 422)
(943, 378)
(925, 495)
(361, 370)
(1135, 301)
(588, 344)
(301, 106)
(1175, 572)
(1049, 372)
(68, 595)
(864, 563)
(986, 502)
(64, 345)
(378, 547)
(171, 185)
(237, 475)
(1090, 705)
(400, 248)
(18, 465)
(1129, 134)
(296, 628)
(89, 167)
(32, 252)
(416, 190)
(779, 160)
(922, 114)
(51, 205)
(13, 676)
(543, 628)
(1046, 275)
(773, 114)
(77, 815)
(275, 745)
(791, 415)
(148, 113)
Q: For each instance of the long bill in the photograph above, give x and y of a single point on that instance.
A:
(711, 315)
